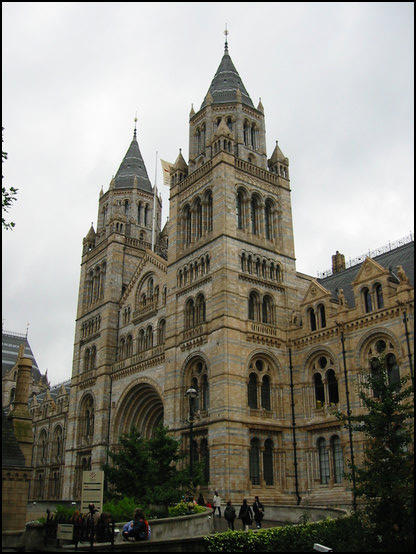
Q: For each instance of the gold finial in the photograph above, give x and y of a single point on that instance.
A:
(226, 39)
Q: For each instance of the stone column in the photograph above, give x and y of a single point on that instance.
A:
(20, 416)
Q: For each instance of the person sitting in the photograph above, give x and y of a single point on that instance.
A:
(138, 528)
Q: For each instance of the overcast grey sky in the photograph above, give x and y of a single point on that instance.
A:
(335, 79)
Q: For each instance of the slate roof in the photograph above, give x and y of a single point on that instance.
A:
(53, 391)
(132, 166)
(11, 454)
(403, 255)
(225, 83)
(10, 344)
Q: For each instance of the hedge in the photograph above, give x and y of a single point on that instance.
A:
(346, 534)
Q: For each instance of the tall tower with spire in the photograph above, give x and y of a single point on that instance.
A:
(110, 256)
(231, 282)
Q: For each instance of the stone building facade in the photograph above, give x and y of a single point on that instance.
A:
(218, 304)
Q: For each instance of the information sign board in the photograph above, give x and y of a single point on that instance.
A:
(92, 490)
(65, 531)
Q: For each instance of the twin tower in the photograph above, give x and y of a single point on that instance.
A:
(210, 306)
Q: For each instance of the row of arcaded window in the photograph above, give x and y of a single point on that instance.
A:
(373, 299)
(90, 358)
(94, 284)
(261, 309)
(195, 311)
(256, 216)
(193, 270)
(327, 470)
(196, 219)
(265, 269)
(145, 340)
(148, 294)
(317, 318)
(261, 452)
(56, 451)
(91, 326)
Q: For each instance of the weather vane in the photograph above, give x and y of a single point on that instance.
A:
(226, 35)
(135, 124)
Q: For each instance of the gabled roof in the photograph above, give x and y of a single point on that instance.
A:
(225, 84)
(132, 166)
(403, 255)
(52, 394)
(9, 350)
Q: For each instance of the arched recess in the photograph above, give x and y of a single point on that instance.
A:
(140, 406)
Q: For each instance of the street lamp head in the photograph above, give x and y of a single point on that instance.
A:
(191, 393)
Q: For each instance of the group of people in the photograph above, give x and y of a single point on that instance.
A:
(247, 513)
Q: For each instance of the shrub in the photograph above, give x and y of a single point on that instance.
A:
(64, 514)
(346, 534)
(184, 508)
(121, 510)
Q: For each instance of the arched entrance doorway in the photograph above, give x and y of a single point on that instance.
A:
(141, 407)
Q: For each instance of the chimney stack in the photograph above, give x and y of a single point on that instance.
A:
(338, 262)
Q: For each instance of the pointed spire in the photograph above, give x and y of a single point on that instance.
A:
(260, 106)
(226, 83)
(192, 112)
(277, 155)
(132, 166)
(180, 162)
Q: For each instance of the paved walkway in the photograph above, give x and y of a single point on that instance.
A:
(220, 524)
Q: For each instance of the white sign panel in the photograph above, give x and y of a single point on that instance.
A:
(92, 490)
(65, 531)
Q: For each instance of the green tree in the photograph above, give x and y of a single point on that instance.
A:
(384, 480)
(8, 196)
(147, 469)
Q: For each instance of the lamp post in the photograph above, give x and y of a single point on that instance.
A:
(191, 393)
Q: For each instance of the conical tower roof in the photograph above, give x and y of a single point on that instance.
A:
(132, 166)
(225, 83)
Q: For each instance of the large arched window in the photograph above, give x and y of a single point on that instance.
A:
(392, 369)
(209, 208)
(312, 319)
(332, 386)
(189, 313)
(161, 332)
(240, 208)
(254, 216)
(322, 318)
(141, 342)
(196, 376)
(268, 462)
(265, 393)
(254, 306)
(198, 218)
(378, 291)
(337, 459)
(252, 391)
(57, 444)
(254, 462)
(199, 309)
(149, 337)
(205, 458)
(268, 309)
(368, 306)
(268, 219)
(319, 390)
(323, 461)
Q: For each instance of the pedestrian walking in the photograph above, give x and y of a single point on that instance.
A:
(201, 499)
(217, 503)
(246, 515)
(230, 515)
(258, 510)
